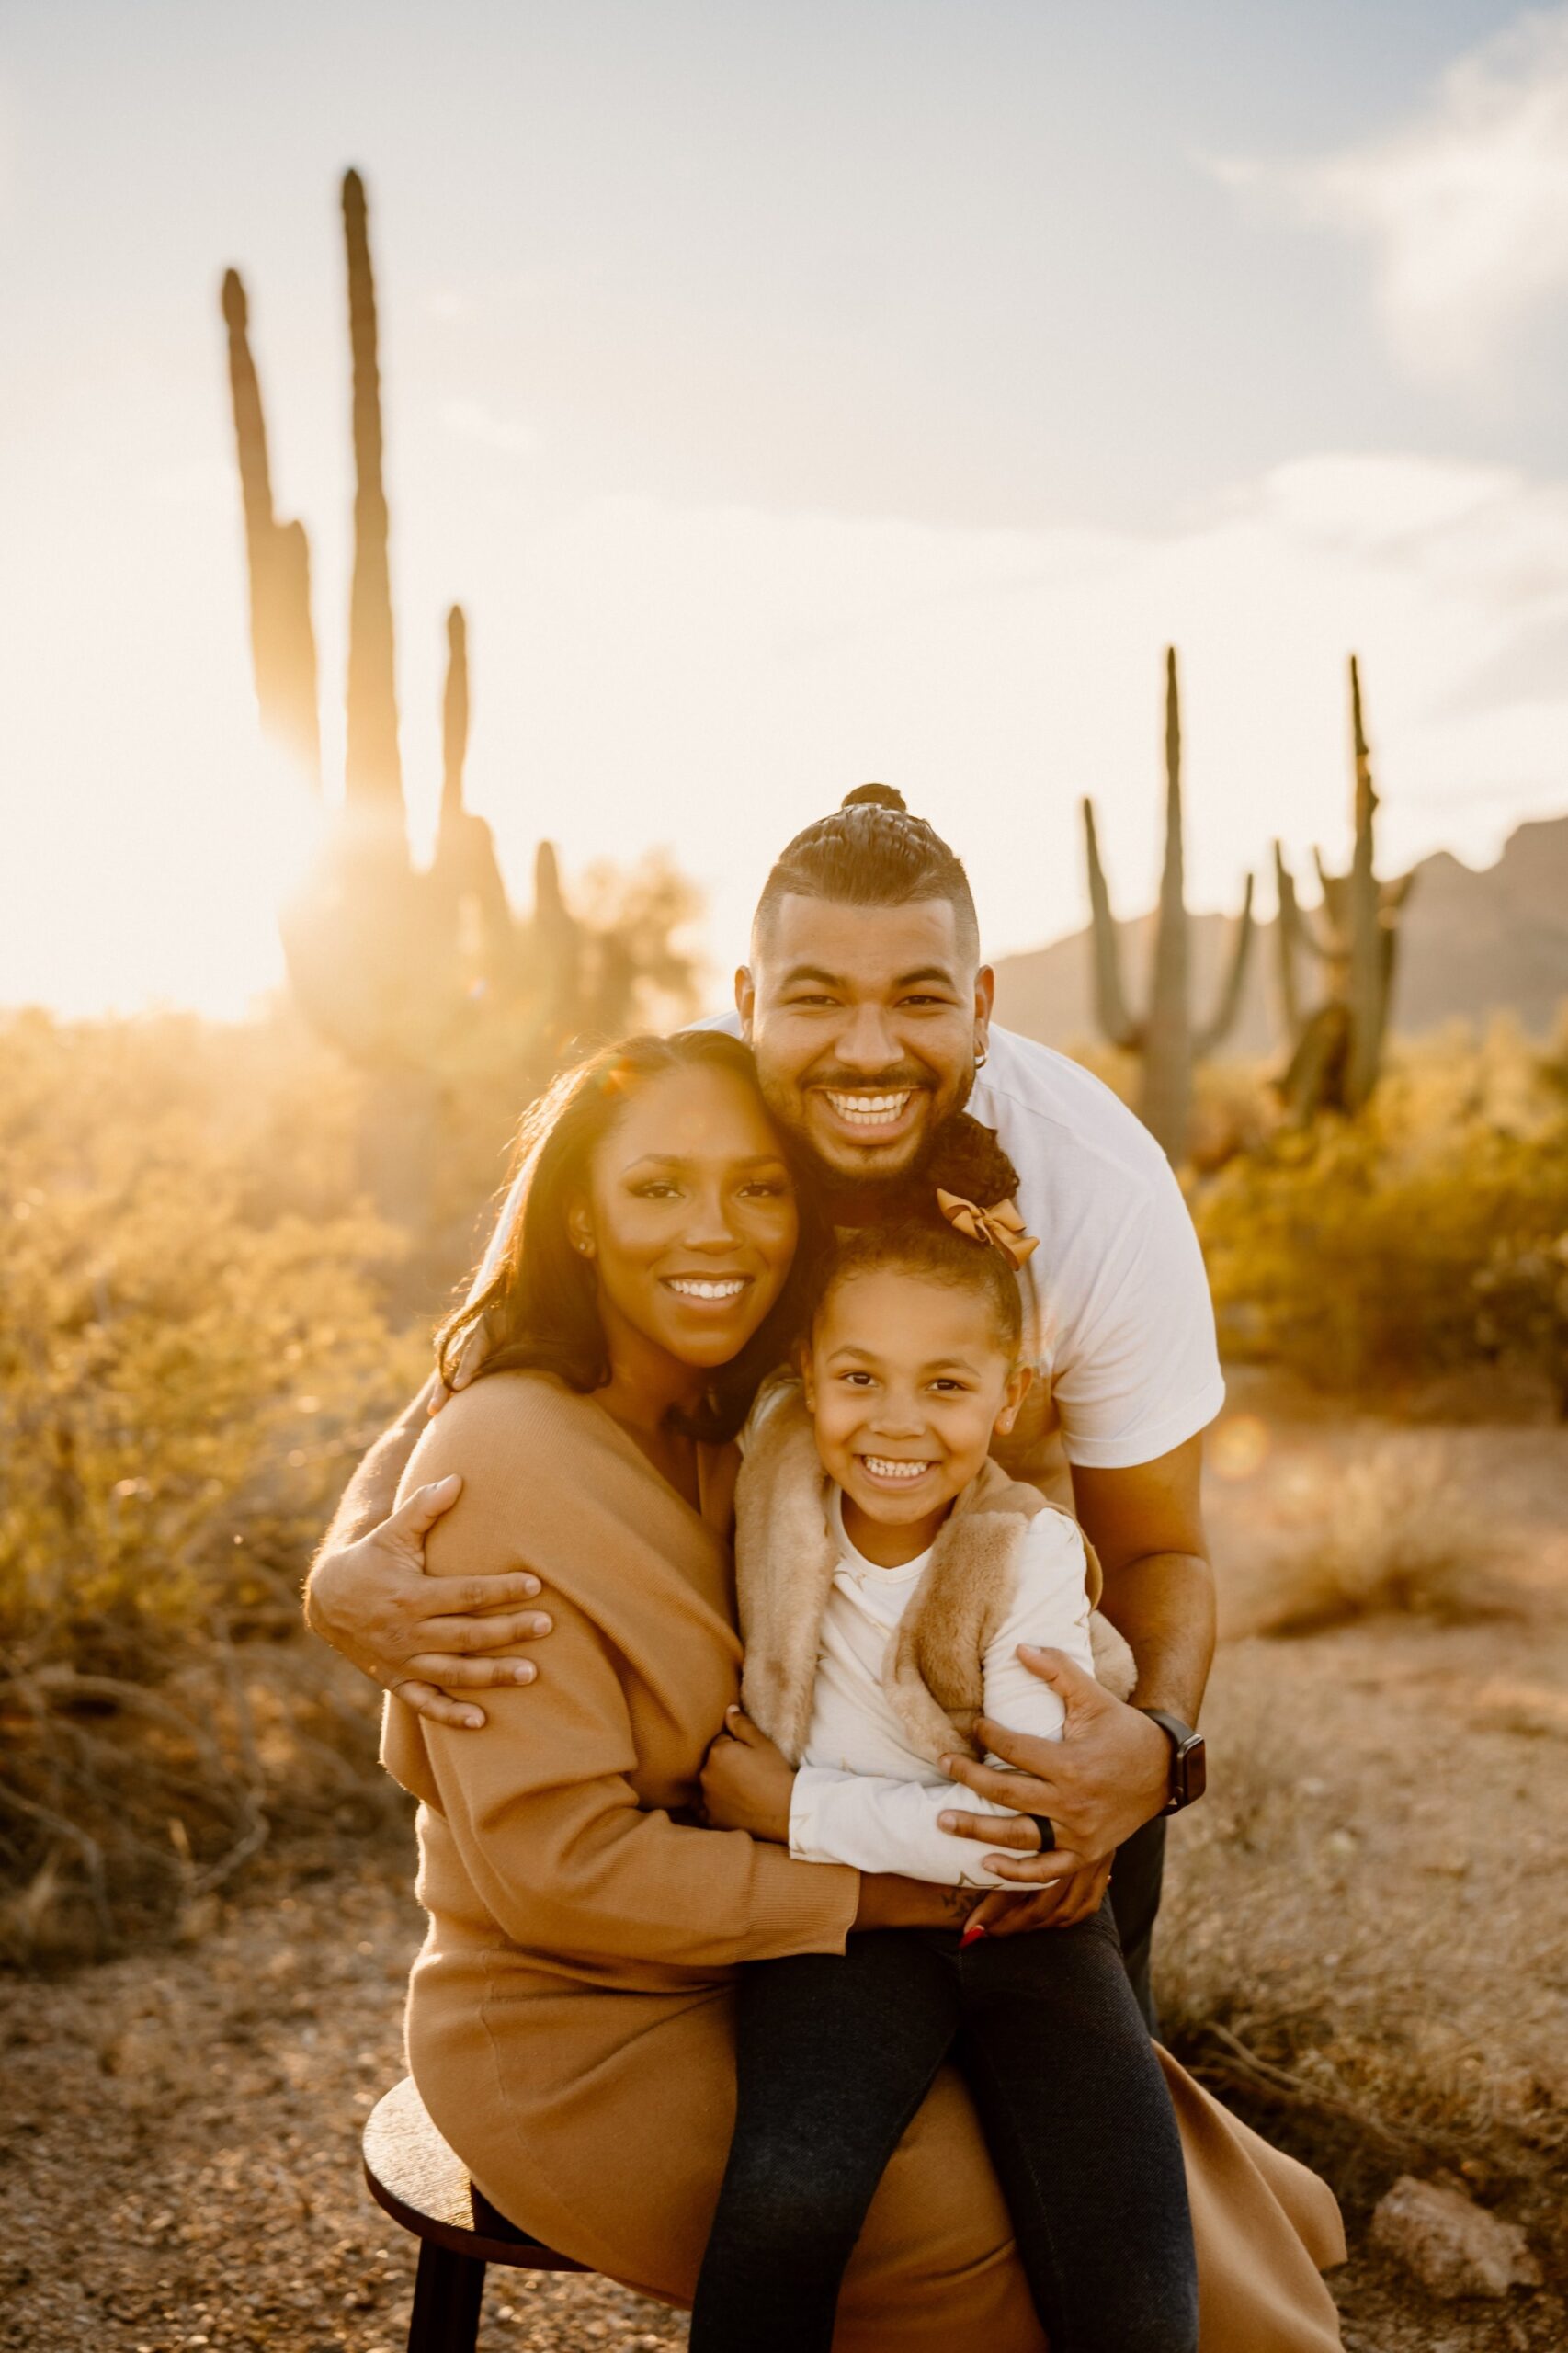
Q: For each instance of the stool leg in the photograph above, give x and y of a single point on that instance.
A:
(446, 2291)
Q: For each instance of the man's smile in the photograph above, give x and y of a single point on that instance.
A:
(870, 1112)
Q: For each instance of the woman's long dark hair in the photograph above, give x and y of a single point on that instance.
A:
(540, 1310)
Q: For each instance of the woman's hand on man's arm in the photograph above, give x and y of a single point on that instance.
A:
(423, 1637)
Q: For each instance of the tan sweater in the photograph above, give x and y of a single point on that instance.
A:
(556, 1824)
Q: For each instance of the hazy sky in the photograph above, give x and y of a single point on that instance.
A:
(792, 394)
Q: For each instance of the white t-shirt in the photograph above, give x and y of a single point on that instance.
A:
(862, 1794)
(1117, 1321)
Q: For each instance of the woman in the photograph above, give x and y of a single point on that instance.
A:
(570, 2020)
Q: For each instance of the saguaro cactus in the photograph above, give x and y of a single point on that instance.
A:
(401, 970)
(283, 645)
(372, 766)
(389, 963)
(1338, 1049)
(1165, 1039)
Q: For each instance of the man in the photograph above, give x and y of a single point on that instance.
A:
(869, 1011)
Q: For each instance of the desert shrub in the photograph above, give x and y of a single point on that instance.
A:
(1402, 1537)
(1428, 1234)
(194, 1343)
(202, 1325)
(191, 1328)
(1327, 1952)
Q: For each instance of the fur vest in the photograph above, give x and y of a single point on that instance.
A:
(786, 1557)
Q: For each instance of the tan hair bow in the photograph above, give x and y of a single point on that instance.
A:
(1001, 1224)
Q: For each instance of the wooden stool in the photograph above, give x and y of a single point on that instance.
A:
(425, 2186)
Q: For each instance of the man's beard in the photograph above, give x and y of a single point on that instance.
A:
(866, 1199)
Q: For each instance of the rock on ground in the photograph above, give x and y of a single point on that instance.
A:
(1452, 2245)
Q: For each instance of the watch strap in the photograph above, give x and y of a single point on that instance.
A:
(1183, 1742)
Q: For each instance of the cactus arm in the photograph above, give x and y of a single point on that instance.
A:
(1223, 1019)
(1336, 911)
(1301, 930)
(1288, 940)
(1167, 1041)
(1313, 1080)
(1110, 1003)
(372, 765)
(559, 940)
(1368, 973)
(550, 907)
(283, 646)
(467, 874)
(299, 697)
(250, 419)
(454, 718)
(1393, 898)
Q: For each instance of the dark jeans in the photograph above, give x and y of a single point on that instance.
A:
(1135, 1880)
(834, 2056)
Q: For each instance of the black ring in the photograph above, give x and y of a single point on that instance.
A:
(1047, 1829)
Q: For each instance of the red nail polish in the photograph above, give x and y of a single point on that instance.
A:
(971, 1936)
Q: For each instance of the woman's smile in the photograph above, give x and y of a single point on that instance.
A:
(709, 1291)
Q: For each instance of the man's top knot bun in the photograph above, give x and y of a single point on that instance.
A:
(875, 796)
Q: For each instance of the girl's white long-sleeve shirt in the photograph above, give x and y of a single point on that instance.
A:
(862, 1794)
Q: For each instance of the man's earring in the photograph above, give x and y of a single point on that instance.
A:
(982, 1055)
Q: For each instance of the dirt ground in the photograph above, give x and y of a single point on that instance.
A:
(1365, 1944)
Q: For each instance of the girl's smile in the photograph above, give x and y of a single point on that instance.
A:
(895, 1473)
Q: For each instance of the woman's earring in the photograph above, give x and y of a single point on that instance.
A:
(982, 1055)
(583, 1245)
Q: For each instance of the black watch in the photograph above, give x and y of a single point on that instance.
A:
(1189, 1769)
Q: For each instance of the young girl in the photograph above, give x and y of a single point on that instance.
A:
(888, 1572)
